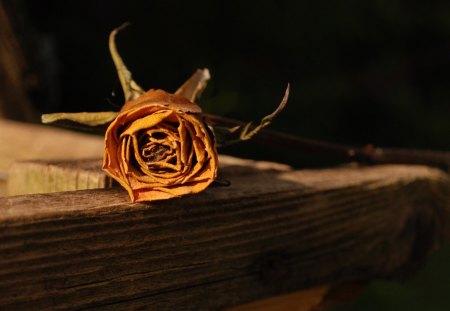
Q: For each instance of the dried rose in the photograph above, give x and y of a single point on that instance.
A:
(159, 147)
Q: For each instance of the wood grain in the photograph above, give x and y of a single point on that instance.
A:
(28, 177)
(271, 232)
(22, 141)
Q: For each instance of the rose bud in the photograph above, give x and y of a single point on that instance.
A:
(159, 147)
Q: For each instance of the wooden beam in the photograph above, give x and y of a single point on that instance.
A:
(29, 177)
(38, 176)
(21, 141)
(271, 232)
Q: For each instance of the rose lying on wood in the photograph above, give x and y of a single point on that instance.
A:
(173, 152)
(159, 145)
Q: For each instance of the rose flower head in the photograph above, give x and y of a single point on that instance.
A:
(159, 147)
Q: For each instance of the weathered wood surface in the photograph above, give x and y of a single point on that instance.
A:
(29, 177)
(36, 176)
(22, 141)
(271, 232)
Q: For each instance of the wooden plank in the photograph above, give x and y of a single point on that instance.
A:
(271, 232)
(28, 177)
(36, 176)
(22, 141)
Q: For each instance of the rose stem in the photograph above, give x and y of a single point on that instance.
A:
(368, 154)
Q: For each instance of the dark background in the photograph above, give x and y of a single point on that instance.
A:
(360, 72)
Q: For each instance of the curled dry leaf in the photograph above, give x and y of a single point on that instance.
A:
(90, 119)
(228, 131)
(159, 147)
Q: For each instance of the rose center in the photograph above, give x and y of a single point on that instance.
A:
(155, 153)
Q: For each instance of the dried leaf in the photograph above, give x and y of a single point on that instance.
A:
(226, 135)
(131, 89)
(93, 119)
(194, 86)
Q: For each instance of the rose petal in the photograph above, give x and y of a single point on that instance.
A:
(146, 122)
